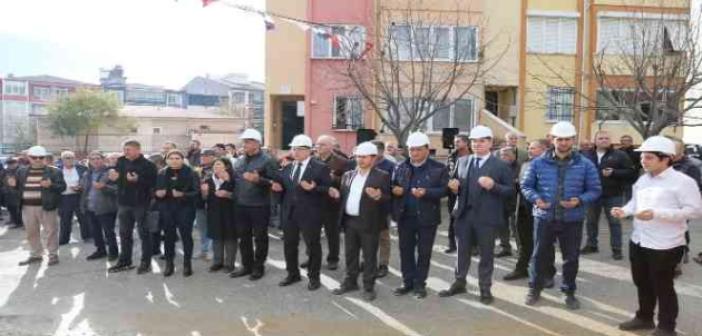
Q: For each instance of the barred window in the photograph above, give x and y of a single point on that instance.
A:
(560, 104)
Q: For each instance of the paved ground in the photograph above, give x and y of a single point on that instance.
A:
(79, 298)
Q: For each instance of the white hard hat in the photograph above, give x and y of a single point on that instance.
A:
(366, 148)
(658, 144)
(480, 131)
(301, 140)
(563, 129)
(37, 151)
(251, 134)
(417, 139)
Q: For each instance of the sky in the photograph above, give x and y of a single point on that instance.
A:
(157, 42)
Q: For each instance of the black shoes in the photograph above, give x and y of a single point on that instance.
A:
(456, 288)
(504, 253)
(420, 293)
(53, 260)
(515, 275)
(120, 267)
(30, 260)
(572, 302)
(450, 250)
(664, 332)
(187, 268)
(399, 291)
(170, 268)
(144, 267)
(240, 273)
(532, 297)
(486, 296)
(255, 275)
(332, 265)
(637, 324)
(289, 280)
(549, 283)
(589, 250)
(617, 255)
(96, 255)
(368, 295)
(345, 288)
(314, 284)
(305, 264)
(381, 272)
(216, 268)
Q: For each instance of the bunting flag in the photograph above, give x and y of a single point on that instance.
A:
(270, 24)
(206, 3)
(366, 50)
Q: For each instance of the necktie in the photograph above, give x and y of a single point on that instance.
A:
(296, 173)
(476, 163)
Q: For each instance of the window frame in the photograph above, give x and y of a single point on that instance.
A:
(10, 88)
(343, 54)
(452, 40)
(561, 48)
(452, 117)
(349, 119)
(562, 90)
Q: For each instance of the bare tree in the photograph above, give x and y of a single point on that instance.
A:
(645, 66)
(416, 63)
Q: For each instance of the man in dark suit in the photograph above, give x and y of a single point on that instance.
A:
(419, 184)
(364, 193)
(482, 195)
(305, 185)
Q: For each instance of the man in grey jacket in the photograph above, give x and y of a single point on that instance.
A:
(99, 202)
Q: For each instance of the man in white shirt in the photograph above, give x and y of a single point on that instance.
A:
(663, 200)
(70, 199)
(364, 193)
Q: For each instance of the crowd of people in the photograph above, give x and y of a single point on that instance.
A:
(546, 193)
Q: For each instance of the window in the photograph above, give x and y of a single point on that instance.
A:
(156, 130)
(348, 113)
(434, 43)
(174, 99)
(627, 35)
(238, 97)
(15, 88)
(59, 92)
(43, 93)
(459, 115)
(612, 106)
(552, 35)
(145, 96)
(560, 104)
(338, 41)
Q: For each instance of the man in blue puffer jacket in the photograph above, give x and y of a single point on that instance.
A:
(560, 184)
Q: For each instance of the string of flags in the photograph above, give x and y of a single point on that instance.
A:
(320, 29)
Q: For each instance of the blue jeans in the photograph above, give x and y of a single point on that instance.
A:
(201, 223)
(569, 235)
(615, 226)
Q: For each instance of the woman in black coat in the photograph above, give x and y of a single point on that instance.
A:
(177, 190)
(217, 192)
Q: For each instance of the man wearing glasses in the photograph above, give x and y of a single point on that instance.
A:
(39, 189)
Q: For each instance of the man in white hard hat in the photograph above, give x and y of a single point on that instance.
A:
(39, 189)
(560, 184)
(253, 176)
(479, 211)
(364, 193)
(304, 185)
(663, 200)
(419, 184)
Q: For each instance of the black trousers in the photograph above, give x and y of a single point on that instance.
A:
(15, 214)
(452, 222)
(291, 240)
(525, 237)
(178, 220)
(252, 228)
(416, 242)
(70, 206)
(331, 230)
(103, 230)
(357, 241)
(129, 217)
(653, 272)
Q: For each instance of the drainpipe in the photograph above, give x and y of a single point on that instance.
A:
(584, 80)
